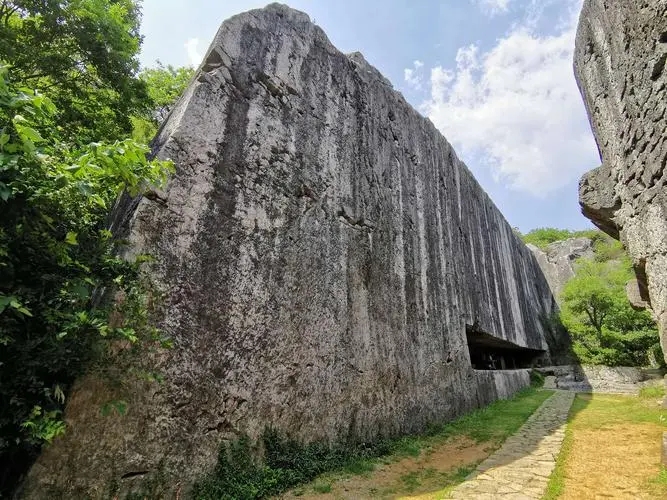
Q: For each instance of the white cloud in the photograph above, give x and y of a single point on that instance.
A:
(414, 76)
(493, 7)
(192, 47)
(516, 109)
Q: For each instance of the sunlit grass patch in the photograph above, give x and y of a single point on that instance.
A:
(612, 448)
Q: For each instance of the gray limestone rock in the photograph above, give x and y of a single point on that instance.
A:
(558, 258)
(620, 55)
(634, 294)
(321, 250)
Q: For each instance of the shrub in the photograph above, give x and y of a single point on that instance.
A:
(241, 475)
(56, 261)
(536, 379)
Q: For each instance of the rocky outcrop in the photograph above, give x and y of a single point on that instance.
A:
(634, 293)
(598, 378)
(322, 255)
(557, 260)
(620, 56)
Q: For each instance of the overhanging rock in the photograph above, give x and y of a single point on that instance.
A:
(620, 58)
(321, 250)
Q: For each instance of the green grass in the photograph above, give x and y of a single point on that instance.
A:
(661, 478)
(452, 479)
(412, 480)
(652, 391)
(556, 482)
(499, 420)
(602, 411)
(322, 488)
(287, 464)
(658, 484)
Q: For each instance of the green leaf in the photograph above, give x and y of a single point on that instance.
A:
(24, 311)
(81, 291)
(121, 407)
(70, 239)
(98, 200)
(28, 134)
(14, 303)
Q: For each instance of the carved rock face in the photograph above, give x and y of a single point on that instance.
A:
(321, 250)
(620, 58)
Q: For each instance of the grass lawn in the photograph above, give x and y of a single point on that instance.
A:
(431, 463)
(612, 448)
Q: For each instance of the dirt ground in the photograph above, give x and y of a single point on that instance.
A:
(614, 459)
(615, 462)
(405, 478)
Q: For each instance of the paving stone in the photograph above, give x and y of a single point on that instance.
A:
(520, 469)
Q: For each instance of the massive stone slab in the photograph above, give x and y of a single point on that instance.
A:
(320, 250)
(620, 56)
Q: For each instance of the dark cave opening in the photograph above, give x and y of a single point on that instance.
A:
(492, 353)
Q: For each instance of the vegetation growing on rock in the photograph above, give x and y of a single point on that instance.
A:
(287, 463)
(65, 155)
(605, 328)
(543, 236)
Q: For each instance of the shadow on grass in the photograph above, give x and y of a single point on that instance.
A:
(508, 462)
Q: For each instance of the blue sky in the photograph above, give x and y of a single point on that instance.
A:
(495, 76)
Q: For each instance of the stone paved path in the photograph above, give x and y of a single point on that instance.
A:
(520, 469)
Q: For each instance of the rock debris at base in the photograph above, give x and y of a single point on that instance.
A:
(520, 469)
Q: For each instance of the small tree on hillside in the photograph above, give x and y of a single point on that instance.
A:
(588, 298)
(604, 327)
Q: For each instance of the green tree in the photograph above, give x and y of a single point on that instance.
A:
(591, 295)
(164, 84)
(56, 259)
(605, 328)
(84, 52)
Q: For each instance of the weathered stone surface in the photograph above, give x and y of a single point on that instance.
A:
(620, 57)
(609, 379)
(634, 293)
(321, 249)
(557, 260)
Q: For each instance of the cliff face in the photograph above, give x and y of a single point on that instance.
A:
(321, 250)
(620, 57)
(558, 258)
